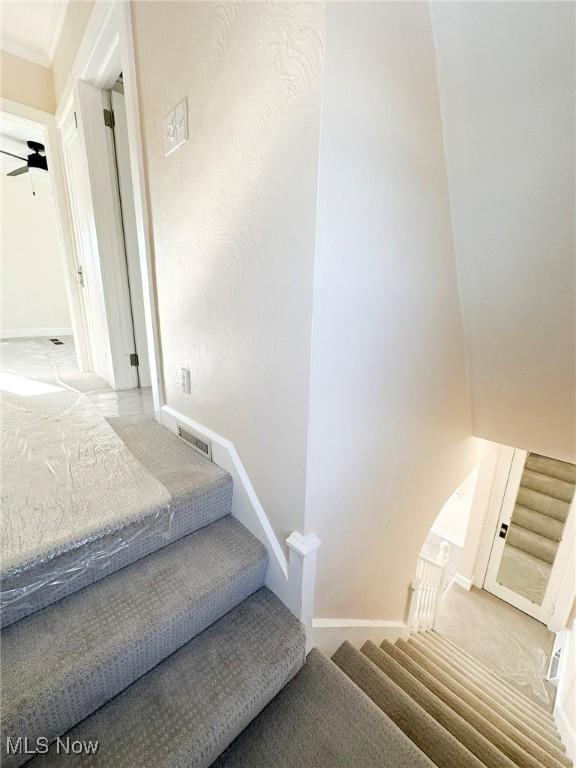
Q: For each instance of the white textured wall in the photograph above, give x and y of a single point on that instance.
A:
(31, 270)
(452, 520)
(233, 216)
(389, 436)
(507, 85)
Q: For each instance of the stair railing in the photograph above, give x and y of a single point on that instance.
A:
(427, 588)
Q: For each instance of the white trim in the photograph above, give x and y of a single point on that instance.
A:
(44, 54)
(29, 333)
(566, 673)
(450, 537)
(462, 581)
(292, 579)
(107, 48)
(29, 116)
(503, 467)
(329, 634)
(59, 10)
(32, 55)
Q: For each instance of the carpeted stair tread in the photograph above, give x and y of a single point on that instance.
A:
(322, 720)
(430, 737)
(200, 493)
(540, 502)
(526, 724)
(479, 671)
(500, 740)
(62, 663)
(515, 729)
(474, 741)
(552, 467)
(537, 522)
(532, 543)
(551, 486)
(190, 707)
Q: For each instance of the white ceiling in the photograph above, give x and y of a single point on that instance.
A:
(31, 30)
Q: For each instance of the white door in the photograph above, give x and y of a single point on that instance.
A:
(532, 542)
(86, 250)
(93, 191)
(130, 234)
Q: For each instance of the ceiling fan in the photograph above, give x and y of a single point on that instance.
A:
(35, 160)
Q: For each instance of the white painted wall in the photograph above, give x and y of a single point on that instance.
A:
(452, 521)
(32, 277)
(507, 85)
(389, 432)
(233, 215)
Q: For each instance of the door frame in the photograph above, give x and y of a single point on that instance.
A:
(106, 49)
(46, 122)
(552, 608)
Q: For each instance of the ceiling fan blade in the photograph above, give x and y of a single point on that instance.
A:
(18, 171)
(11, 154)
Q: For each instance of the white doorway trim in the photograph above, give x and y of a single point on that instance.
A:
(560, 591)
(107, 48)
(35, 118)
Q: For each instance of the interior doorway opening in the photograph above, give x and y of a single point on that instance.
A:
(35, 302)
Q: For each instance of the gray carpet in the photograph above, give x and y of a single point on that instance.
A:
(498, 738)
(429, 736)
(466, 734)
(542, 505)
(62, 663)
(478, 672)
(190, 707)
(322, 720)
(507, 723)
(484, 698)
(199, 493)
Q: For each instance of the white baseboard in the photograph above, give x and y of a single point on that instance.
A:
(29, 333)
(462, 581)
(291, 579)
(329, 634)
(447, 536)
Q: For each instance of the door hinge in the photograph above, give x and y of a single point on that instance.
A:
(134, 359)
(108, 118)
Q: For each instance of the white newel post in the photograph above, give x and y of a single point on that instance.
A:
(302, 577)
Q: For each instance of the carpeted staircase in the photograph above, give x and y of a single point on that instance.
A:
(174, 654)
(454, 709)
(542, 505)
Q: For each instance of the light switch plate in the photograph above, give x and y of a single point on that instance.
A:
(185, 387)
(175, 128)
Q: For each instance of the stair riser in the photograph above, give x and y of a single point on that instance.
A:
(551, 486)
(545, 753)
(189, 708)
(428, 735)
(71, 572)
(459, 728)
(483, 676)
(546, 505)
(537, 523)
(551, 467)
(532, 543)
(526, 725)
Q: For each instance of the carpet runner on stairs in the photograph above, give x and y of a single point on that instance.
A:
(542, 505)
(173, 654)
(448, 708)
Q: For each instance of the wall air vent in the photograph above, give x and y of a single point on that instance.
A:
(197, 442)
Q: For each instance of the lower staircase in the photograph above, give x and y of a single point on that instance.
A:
(175, 655)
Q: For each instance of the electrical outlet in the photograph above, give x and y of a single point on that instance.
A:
(185, 387)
